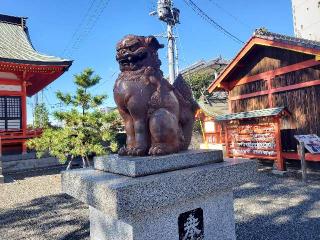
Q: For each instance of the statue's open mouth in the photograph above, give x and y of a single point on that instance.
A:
(130, 59)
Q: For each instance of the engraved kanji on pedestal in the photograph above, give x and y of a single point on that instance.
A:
(191, 225)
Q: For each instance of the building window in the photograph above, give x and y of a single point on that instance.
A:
(10, 113)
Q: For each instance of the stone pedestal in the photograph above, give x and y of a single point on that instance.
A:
(180, 196)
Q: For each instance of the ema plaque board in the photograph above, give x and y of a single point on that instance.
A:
(191, 225)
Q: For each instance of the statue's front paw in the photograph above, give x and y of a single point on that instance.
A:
(137, 151)
(158, 149)
(123, 151)
(162, 149)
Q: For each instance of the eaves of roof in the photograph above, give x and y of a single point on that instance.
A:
(269, 112)
(271, 40)
(16, 46)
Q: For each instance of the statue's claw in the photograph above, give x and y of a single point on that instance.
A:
(137, 151)
(158, 149)
(123, 151)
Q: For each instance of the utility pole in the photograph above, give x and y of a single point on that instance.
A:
(171, 60)
(35, 104)
(170, 15)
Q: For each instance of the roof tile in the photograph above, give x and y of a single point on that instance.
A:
(260, 33)
(15, 45)
(251, 114)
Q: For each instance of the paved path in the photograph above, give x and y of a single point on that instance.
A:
(272, 207)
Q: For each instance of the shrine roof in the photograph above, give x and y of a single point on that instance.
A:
(203, 64)
(268, 112)
(286, 39)
(214, 105)
(16, 46)
(262, 37)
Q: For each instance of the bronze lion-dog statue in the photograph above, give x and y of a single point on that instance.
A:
(158, 116)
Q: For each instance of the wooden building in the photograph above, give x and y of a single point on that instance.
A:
(23, 73)
(210, 107)
(210, 104)
(276, 71)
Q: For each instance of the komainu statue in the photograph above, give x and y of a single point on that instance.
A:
(158, 116)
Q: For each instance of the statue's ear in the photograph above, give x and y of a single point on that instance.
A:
(151, 41)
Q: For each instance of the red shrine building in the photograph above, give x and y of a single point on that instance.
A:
(273, 87)
(23, 73)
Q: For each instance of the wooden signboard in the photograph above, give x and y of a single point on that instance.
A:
(311, 142)
(252, 140)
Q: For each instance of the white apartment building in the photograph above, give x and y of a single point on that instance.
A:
(306, 19)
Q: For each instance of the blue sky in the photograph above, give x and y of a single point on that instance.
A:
(53, 24)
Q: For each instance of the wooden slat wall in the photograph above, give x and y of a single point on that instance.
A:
(248, 88)
(304, 107)
(249, 104)
(262, 59)
(304, 104)
(296, 77)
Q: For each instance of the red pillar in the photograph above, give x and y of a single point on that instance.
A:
(270, 94)
(221, 135)
(280, 161)
(226, 139)
(229, 105)
(24, 113)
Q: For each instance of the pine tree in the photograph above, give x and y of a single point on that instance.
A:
(41, 116)
(86, 130)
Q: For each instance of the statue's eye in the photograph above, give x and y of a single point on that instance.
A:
(133, 48)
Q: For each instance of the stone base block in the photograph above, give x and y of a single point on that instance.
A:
(1, 179)
(142, 166)
(194, 202)
(18, 165)
(213, 220)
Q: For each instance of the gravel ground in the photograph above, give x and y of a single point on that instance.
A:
(275, 207)
(272, 207)
(32, 208)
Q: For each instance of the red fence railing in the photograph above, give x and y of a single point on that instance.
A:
(15, 136)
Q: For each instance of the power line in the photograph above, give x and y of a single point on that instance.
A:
(205, 16)
(79, 34)
(79, 26)
(48, 103)
(87, 24)
(101, 83)
(92, 21)
(230, 14)
(152, 5)
(181, 49)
